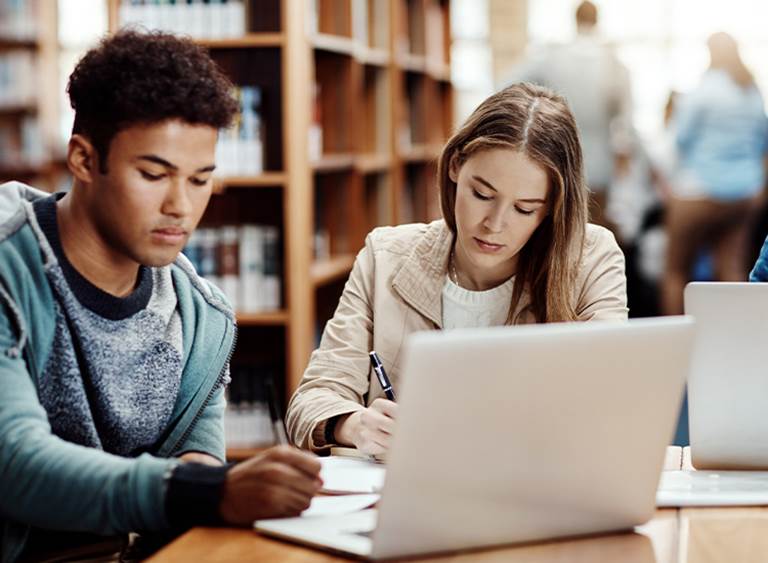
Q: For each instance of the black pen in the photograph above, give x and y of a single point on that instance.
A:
(378, 367)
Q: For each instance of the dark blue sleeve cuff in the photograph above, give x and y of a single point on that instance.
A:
(194, 494)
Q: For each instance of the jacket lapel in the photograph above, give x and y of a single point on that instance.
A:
(419, 281)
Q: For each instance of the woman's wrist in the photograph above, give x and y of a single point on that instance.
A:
(345, 427)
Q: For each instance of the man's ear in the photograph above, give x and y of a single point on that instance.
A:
(453, 168)
(82, 159)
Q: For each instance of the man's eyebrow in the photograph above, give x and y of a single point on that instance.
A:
(157, 160)
(162, 162)
(485, 182)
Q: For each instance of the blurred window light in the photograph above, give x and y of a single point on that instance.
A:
(81, 24)
(662, 42)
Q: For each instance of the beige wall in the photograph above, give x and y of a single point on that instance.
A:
(509, 34)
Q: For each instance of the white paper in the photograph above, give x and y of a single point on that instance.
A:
(349, 475)
(339, 504)
(713, 488)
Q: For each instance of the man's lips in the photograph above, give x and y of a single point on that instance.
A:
(169, 235)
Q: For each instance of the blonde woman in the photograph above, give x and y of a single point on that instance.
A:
(722, 131)
(513, 247)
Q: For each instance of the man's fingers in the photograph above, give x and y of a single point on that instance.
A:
(304, 462)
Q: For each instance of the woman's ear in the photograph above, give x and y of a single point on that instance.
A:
(453, 168)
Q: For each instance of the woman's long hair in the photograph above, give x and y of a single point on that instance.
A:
(724, 54)
(538, 123)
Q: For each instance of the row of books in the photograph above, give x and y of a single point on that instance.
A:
(243, 261)
(240, 149)
(18, 78)
(316, 124)
(18, 19)
(201, 19)
(20, 144)
(247, 419)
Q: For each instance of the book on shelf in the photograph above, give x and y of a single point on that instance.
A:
(20, 144)
(240, 148)
(316, 125)
(200, 19)
(435, 39)
(313, 17)
(18, 79)
(243, 261)
(247, 422)
(360, 22)
(18, 19)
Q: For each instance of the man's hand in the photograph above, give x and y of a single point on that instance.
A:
(369, 430)
(280, 482)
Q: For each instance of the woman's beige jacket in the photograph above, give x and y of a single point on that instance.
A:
(395, 288)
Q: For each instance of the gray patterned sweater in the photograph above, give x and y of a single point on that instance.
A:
(120, 407)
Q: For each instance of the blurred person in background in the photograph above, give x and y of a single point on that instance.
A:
(596, 84)
(721, 133)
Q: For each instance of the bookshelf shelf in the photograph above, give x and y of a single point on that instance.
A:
(274, 318)
(247, 41)
(268, 179)
(334, 162)
(373, 57)
(334, 44)
(323, 272)
(420, 153)
(17, 109)
(373, 163)
(18, 43)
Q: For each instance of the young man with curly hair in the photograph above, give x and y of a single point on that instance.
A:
(114, 354)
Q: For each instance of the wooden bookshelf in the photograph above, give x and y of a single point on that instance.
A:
(245, 42)
(40, 108)
(380, 111)
(275, 318)
(325, 271)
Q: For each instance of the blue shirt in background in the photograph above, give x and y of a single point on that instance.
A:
(722, 137)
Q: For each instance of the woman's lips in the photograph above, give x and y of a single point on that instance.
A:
(486, 246)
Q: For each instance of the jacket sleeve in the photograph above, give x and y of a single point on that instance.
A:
(760, 272)
(207, 435)
(604, 287)
(337, 378)
(50, 483)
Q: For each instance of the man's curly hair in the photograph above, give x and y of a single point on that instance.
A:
(143, 78)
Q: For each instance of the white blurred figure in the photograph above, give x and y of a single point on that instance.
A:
(597, 86)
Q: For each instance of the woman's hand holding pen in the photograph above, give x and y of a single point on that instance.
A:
(369, 430)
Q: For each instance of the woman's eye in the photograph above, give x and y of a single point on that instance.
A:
(480, 196)
(151, 177)
(198, 181)
(524, 211)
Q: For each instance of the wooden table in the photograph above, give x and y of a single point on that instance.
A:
(701, 535)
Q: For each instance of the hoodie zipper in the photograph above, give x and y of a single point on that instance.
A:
(202, 408)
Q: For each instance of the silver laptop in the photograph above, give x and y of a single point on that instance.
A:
(728, 386)
(519, 434)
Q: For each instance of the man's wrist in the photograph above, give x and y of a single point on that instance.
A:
(194, 495)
